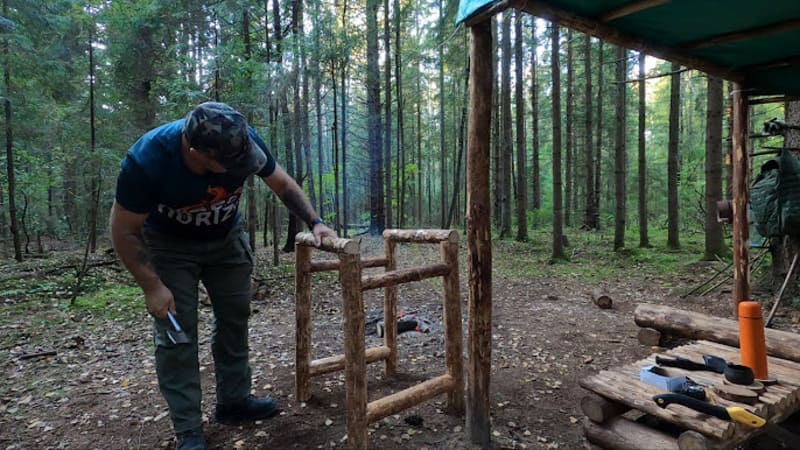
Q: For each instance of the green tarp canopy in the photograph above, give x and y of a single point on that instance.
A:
(752, 42)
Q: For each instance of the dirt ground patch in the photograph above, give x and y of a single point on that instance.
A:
(94, 387)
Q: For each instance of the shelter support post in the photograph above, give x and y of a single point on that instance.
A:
(479, 239)
(741, 198)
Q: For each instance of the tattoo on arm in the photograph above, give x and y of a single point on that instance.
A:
(142, 255)
(297, 203)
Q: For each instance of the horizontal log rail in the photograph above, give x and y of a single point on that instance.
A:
(403, 276)
(421, 236)
(329, 244)
(336, 363)
(399, 401)
(331, 265)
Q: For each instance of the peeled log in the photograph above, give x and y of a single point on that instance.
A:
(601, 299)
(692, 325)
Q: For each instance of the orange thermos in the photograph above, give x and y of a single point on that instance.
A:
(752, 344)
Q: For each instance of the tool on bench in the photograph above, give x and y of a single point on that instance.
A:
(734, 414)
(681, 384)
(710, 363)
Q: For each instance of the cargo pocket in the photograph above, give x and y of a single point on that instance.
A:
(160, 338)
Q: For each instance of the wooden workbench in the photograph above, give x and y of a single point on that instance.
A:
(622, 413)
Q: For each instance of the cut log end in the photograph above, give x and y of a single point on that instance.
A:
(599, 410)
(650, 337)
(602, 300)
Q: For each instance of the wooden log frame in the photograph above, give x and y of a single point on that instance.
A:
(624, 434)
(356, 357)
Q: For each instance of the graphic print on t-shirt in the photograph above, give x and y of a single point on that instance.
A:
(219, 207)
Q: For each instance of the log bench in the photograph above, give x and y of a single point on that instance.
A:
(620, 409)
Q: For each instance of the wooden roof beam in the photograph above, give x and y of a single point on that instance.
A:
(609, 34)
(792, 60)
(766, 100)
(630, 8)
(743, 35)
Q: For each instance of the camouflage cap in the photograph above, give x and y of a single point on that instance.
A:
(221, 132)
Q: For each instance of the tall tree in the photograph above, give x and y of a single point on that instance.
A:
(377, 219)
(598, 159)
(620, 156)
(591, 216)
(536, 188)
(519, 100)
(442, 144)
(570, 141)
(505, 127)
(715, 244)
(387, 123)
(401, 154)
(673, 158)
(252, 210)
(558, 212)
(643, 238)
(12, 202)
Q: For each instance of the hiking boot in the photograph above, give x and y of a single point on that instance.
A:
(191, 440)
(250, 409)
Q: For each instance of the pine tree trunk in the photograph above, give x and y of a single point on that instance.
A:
(401, 155)
(620, 156)
(715, 244)
(522, 182)
(505, 126)
(673, 159)
(536, 181)
(442, 125)
(252, 212)
(570, 142)
(599, 148)
(558, 212)
(387, 124)
(644, 240)
(375, 143)
(591, 216)
(12, 185)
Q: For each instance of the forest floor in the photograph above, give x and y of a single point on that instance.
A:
(81, 375)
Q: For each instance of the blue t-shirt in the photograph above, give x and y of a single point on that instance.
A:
(155, 180)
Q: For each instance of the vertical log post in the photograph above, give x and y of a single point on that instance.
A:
(355, 371)
(390, 307)
(302, 308)
(452, 327)
(741, 232)
(479, 234)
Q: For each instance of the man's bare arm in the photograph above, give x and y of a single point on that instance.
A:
(126, 236)
(295, 199)
(291, 194)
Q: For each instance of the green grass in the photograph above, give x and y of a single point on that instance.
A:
(590, 256)
(115, 302)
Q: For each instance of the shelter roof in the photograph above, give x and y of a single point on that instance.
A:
(751, 42)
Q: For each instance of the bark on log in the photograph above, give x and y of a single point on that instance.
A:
(333, 245)
(407, 398)
(599, 409)
(403, 276)
(650, 337)
(453, 341)
(337, 362)
(601, 299)
(302, 308)
(623, 434)
(420, 236)
(330, 265)
(698, 326)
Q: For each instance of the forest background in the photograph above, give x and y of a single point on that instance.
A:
(365, 104)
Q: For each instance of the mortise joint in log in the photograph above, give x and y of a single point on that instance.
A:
(403, 276)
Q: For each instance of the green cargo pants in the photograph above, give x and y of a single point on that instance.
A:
(224, 266)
